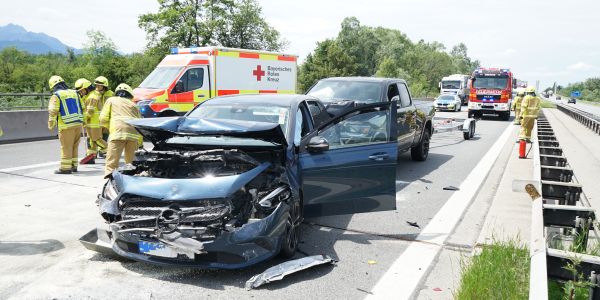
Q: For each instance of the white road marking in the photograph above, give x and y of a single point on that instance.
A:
(405, 274)
(46, 164)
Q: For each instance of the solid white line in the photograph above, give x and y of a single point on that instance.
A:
(404, 275)
(50, 163)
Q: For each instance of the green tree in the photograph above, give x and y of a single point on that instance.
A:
(329, 59)
(229, 23)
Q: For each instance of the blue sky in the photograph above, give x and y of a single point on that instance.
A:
(547, 40)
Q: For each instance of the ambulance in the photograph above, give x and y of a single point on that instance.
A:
(189, 76)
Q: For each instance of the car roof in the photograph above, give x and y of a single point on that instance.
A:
(365, 79)
(289, 100)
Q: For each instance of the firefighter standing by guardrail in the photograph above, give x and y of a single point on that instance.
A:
(94, 103)
(530, 108)
(65, 109)
(516, 105)
(122, 136)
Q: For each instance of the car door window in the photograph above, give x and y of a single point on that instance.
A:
(362, 129)
(301, 127)
(192, 79)
(405, 100)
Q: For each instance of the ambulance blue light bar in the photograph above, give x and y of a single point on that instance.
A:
(190, 50)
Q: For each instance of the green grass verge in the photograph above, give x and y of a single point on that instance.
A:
(548, 104)
(500, 271)
(566, 291)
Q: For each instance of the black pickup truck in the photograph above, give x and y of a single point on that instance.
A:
(414, 120)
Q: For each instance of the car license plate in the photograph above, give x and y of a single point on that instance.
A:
(162, 250)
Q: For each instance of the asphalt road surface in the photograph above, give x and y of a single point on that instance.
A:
(43, 215)
(594, 109)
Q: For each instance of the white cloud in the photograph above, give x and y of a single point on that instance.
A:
(580, 66)
(509, 51)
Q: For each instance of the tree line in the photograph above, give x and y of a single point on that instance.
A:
(590, 89)
(357, 50)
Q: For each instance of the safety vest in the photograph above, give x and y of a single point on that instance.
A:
(94, 102)
(70, 112)
(531, 106)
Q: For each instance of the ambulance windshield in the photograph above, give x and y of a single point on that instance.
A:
(161, 78)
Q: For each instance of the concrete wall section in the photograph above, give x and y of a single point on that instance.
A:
(25, 125)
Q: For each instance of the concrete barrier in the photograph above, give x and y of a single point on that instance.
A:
(25, 125)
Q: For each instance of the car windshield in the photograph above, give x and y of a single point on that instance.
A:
(446, 98)
(243, 112)
(161, 78)
(451, 84)
(332, 90)
(490, 82)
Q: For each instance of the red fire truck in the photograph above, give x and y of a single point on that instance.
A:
(491, 92)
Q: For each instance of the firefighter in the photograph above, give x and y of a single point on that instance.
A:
(516, 105)
(94, 103)
(122, 136)
(530, 107)
(65, 109)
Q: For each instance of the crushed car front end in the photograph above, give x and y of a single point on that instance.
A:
(181, 204)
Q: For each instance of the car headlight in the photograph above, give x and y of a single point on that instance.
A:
(110, 191)
(145, 102)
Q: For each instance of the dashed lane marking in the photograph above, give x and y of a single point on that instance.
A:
(403, 277)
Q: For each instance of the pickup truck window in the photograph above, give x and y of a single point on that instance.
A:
(405, 100)
(359, 91)
(392, 91)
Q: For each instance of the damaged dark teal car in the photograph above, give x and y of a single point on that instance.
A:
(228, 185)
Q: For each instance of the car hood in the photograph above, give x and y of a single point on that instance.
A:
(168, 189)
(157, 130)
(446, 101)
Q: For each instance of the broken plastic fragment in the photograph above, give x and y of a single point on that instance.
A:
(281, 270)
(372, 262)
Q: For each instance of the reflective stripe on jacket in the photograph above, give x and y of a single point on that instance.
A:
(115, 112)
(66, 107)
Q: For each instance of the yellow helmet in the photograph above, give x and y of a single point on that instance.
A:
(124, 87)
(82, 83)
(530, 89)
(101, 80)
(520, 92)
(54, 80)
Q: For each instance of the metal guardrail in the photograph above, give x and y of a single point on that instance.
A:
(37, 101)
(590, 120)
(561, 218)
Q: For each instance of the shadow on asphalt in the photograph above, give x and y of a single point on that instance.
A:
(21, 248)
(218, 279)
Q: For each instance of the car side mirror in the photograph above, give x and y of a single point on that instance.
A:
(178, 86)
(317, 144)
(395, 98)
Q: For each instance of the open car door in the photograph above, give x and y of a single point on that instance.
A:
(348, 165)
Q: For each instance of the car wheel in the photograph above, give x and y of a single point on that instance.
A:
(289, 246)
(420, 152)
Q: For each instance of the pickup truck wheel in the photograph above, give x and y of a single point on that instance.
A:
(421, 151)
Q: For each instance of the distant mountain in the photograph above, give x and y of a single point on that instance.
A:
(13, 35)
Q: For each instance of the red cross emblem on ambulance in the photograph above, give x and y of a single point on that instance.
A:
(259, 73)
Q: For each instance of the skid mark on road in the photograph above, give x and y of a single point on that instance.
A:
(408, 270)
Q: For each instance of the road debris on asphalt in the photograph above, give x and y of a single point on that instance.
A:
(281, 270)
(450, 188)
(413, 224)
(372, 262)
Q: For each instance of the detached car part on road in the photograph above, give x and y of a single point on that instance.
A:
(227, 185)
